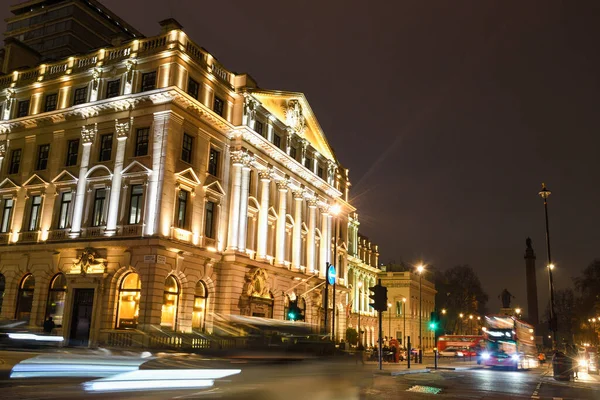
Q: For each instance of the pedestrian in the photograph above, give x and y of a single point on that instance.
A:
(49, 325)
(574, 362)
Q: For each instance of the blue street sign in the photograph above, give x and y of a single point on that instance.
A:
(331, 275)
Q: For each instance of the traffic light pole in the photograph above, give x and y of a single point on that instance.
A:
(380, 339)
(326, 305)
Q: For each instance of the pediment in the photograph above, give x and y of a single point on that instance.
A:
(99, 172)
(304, 227)
(35, 181)
(136, 169)
(212, 184)
(272, 213)
(7, 184)
(65, 178)
(281, 104)
(188, 176)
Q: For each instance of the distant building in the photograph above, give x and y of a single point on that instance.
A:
(403, 295)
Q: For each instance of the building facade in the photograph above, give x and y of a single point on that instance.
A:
(411, 299)
(145, 190)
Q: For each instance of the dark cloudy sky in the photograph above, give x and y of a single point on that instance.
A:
(449, 115)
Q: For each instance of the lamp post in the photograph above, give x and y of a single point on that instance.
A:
(390, 319)
(404, 327)
(444, 314)
(420, 269)
(359, 304)
(518, 312)
(470, 324)
(544, 194)
(460, 329)
(335, 210)
(478, 324)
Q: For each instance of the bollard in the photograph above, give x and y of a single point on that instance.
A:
(408, 352)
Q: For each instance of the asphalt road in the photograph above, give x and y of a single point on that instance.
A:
(316, 379)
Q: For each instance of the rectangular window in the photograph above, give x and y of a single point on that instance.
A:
(141, 142)
(105, 147)
(23, 108)
(135, 204)
(80, 96)
(209, 220)
(64, 210)
(51, 101)
(193, 88)
(7, 208)
(186, 148)
(293, 152)
(72, 152)
(98, 210)
(258, 127)
(15, 161)
(218, 104)
(113, 88)
(213, 162)
(277, 140)
(149, 81)
(308, 163)
(34, 213)
(42, 161)
(320, 172)
(182, 199)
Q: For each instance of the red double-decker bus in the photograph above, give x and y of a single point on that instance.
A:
(460, 345)
(511, 343)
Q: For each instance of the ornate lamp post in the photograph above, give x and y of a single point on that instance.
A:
(460, 329)
(335, 211)
(470, 324)
(404, 316)
(359, 306)
(390, 319)
(420, 270)
(544, 194)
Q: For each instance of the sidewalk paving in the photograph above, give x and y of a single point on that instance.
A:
(427, 366)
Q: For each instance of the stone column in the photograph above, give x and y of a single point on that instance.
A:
(280, 233)
(297, 232)
(310, 237)
(244, 204)
(325, 242)
(87, 138)
(263, 214)
(2, 152)
(122, 130)
(234, 218)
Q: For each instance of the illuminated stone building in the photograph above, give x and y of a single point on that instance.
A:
(146, 186)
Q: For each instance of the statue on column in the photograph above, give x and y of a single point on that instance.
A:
(506, 298)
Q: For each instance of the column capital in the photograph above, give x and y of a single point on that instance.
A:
(282, 185)
(88, 132)
(2, 148)
(312, 203)
(265, 175)
(324, 208)
(122, 128)
(298, 194)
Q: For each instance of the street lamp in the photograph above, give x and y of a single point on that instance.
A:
(460, 330)
(359, 304)
(390, 319)
(544, 194)
(335, 211)
(470, 324)
(404, 328)
(420, 270)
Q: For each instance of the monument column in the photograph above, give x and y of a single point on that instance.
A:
(532, 300)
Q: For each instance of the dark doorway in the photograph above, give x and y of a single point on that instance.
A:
(81, 317)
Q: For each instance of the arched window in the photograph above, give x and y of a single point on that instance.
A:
(25, 298)
(2, 287)
(57, 293)
(129, 301)
(200, 304)
(168, 317)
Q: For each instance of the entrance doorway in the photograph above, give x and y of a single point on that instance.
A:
(81, 317)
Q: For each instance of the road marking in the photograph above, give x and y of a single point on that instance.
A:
(534, 395)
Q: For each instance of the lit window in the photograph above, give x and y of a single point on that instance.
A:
(129, 301)
(149, 81)
(113, 88)
(51, 101)
(64, 210)
(200, 304)
(141, 142)
(193, 88)
(135, 204)
(105, 147)
(98, 211)
(25, 298)
(182, 199)
(7, 209)
(168, 318)
(218, 105)
(72, 152)
(42, 161)
(186, 148)
(57, 293)
(213, 162)
(34, 213)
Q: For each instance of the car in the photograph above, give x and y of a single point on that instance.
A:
(449, 352)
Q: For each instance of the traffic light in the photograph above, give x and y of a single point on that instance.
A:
(295, 313)
(379, 297)
(434, 321)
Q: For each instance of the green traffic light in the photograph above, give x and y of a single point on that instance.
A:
(291, 316)
(432, 326)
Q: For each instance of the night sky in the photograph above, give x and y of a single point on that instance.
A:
(449, 115)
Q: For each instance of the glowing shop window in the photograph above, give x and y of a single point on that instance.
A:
(55, 307)
(129, 301)
(200, 303)
(25, 299)
(168, 316)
